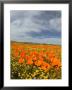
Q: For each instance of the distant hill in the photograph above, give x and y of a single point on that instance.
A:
(34, 43)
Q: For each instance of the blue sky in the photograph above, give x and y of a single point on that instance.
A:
(36, 26)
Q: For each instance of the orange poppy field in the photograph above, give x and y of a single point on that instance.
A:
(35, 61)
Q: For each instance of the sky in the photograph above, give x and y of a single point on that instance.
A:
(35, 26)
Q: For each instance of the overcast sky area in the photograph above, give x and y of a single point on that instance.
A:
(35, 26)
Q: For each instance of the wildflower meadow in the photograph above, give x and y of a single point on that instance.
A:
(35, 61)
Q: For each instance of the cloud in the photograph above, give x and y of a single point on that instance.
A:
(36, 26)
(55, 24)
(37, 40)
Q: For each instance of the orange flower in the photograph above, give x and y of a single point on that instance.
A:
(56, 62)
(41, 53)
(34, 58)
(16, 54)
(45, 66)
(26, 57)
(40, 58)
(21, 60)
(39, 63)
(22, 55)
(29, 62)
(29, 59)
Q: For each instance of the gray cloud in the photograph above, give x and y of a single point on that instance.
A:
(35, 21)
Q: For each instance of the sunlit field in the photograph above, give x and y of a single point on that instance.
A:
(35, 61)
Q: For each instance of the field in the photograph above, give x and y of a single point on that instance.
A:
(35, 61)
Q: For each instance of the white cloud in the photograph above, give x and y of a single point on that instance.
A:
(55, 24)
(27, 23)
